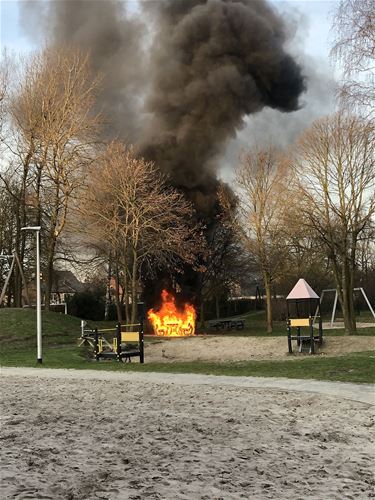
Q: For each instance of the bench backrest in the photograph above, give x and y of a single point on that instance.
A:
(130, 337)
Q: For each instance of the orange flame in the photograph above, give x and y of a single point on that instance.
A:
(168, 321)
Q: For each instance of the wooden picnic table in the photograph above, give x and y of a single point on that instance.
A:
(227, 324)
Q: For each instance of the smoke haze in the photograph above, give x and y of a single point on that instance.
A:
(114, 41)
(181, 77)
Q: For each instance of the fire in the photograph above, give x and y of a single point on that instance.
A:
(169, 321)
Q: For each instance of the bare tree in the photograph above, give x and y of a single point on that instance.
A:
(53, 143)
(305, 258)
(14, 168)
(336, 178)
(146, 223)
(5, 75)
(8, 205)
(354, 47)
(263, 201)
(225, 257)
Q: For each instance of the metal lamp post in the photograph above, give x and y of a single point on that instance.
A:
(38, 294)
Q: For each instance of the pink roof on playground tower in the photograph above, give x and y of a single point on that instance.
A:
(302, 290)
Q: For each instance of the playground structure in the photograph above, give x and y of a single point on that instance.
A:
(127, 340)
(303, 309)
(87, 337)
(125, 344)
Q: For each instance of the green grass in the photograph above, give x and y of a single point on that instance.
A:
(18, 326)
(60, 334)
(356, 367)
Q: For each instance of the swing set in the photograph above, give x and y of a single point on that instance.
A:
(15, 260)
(334, 308)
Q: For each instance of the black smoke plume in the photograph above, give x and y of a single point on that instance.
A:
(213, 63)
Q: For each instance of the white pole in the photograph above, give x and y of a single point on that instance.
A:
(38, 294)
(368, 302)
(317, 307)
(334, 308)
(38, 302)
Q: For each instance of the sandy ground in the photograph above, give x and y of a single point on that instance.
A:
(87, 435)
(215, 348)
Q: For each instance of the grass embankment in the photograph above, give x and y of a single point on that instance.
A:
(357, 367)
(60, 334)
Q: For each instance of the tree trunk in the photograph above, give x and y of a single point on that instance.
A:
(351, 270)
(49, 282)
(38, 187)
(108, 290)
(117, 295)
(347, 300)
(49, 270)
(134, 288)
(126, 295)
(345, 313)
(267, 287)
(217, 305)
(21, 221)
(17, 283)
(51, 244)
(49, 277)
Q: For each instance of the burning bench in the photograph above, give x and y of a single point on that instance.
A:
(175, 330)
(125, 345)
(169, 320)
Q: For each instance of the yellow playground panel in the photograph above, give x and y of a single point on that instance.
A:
(125, 344)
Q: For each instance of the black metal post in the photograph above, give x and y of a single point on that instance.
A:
(289, 338)
(320, 327)
(288, 328)
(118, 337)
(96, 344)
(141, 341)
(312, 341)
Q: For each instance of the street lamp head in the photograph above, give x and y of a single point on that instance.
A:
(31, 228)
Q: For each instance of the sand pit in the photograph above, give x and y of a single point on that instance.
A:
(80, 437)
(215, 348)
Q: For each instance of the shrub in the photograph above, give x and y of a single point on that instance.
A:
(87, 305)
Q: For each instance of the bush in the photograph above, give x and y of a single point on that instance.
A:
(87, 305)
